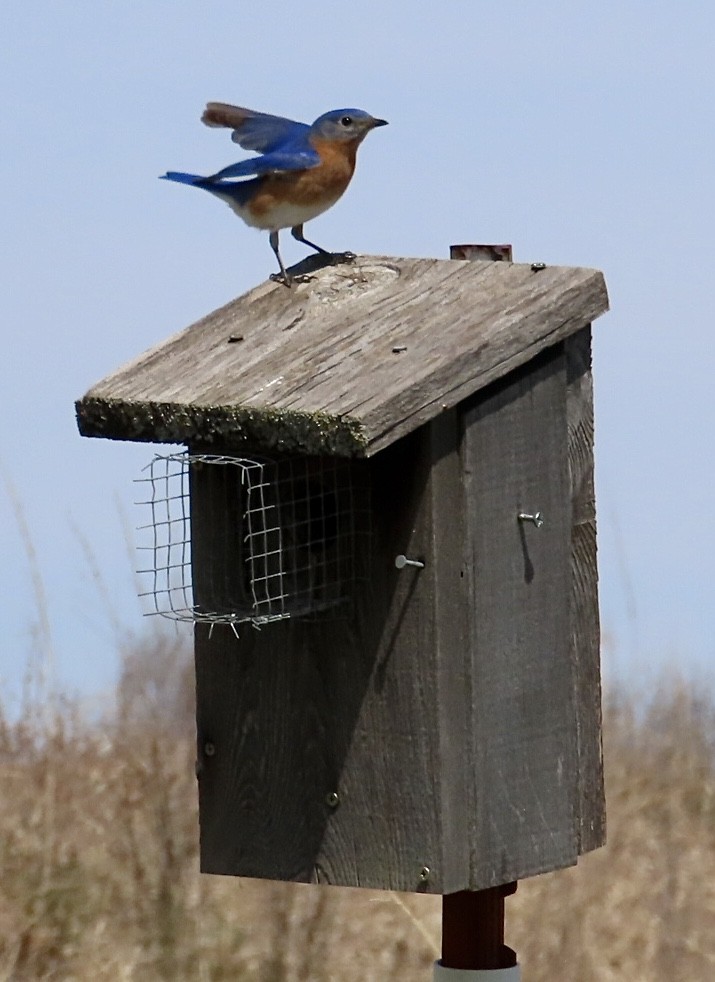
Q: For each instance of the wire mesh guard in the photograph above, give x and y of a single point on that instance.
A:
(233, 539)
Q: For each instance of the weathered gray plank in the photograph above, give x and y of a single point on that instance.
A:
(315, 369)
(585, 634)
(452, 601)
(514, 453)
(390, 822)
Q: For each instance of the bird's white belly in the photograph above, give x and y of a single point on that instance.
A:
(282, 215)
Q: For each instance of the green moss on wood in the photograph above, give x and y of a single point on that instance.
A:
(260, 429)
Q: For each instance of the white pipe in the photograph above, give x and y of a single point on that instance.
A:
(442, 974)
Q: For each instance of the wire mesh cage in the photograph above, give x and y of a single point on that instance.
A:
(233, 539)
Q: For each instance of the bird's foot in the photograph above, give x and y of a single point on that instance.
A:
(280, 278)
(290, 280)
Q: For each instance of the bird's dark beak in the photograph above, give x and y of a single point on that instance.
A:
(379, 122)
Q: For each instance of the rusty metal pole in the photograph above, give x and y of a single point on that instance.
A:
(473, 932)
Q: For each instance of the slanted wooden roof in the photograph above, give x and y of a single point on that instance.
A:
(347, 363)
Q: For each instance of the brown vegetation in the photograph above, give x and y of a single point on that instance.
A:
(99, 872)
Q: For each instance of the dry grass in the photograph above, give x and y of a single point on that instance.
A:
(98, 861)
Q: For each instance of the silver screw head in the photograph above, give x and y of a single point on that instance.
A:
(402, 561)
(209, 749)
(536, 519)
(425, 873)
(332, 799)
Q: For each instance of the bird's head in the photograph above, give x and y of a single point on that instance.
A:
(345, 125)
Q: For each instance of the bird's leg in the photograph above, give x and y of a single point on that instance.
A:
(273, 239)
(297, 233)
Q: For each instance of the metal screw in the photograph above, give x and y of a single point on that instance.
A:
(535, 267)
(425, 873)
(209, 749)
(399, 348)
(402, 561)
(537, 518)
(332, 800)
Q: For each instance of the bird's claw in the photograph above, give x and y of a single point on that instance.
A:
(290, 280)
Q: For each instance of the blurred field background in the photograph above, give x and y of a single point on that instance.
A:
(99, 869)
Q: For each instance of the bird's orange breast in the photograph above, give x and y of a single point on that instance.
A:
(319, 186)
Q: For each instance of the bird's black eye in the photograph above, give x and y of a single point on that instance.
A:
(347, 121)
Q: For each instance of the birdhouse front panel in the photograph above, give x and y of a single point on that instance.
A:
(318, 737)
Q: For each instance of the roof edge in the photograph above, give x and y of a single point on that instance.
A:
(286, 431)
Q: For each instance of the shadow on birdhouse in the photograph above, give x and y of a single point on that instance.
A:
(390, 472)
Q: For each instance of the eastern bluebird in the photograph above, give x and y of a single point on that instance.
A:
(302, 170)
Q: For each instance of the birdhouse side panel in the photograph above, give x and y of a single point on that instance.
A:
(524, 726)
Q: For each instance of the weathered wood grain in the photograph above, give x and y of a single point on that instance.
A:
(523, 718)
(585, 633)
(314, 369)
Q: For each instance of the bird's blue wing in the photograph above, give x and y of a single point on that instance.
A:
(253, 130)
(297, 157)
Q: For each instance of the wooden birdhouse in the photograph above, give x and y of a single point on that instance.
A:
(384, 529)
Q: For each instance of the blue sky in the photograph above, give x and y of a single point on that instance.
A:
(580, 132)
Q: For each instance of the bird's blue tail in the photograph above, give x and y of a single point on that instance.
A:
(229, 191)
(174, 175)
